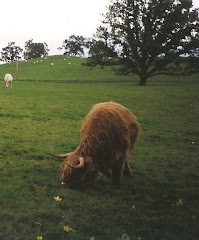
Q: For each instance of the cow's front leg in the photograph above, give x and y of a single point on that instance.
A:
(127, 169)
(117, 173)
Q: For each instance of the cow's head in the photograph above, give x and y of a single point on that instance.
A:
(77, 171)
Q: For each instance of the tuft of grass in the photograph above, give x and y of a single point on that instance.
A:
(40, 117)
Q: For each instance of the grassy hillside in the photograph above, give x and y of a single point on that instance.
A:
(70, 69)
(159, 201)
(63, 68)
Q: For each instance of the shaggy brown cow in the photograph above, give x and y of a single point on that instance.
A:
(109, 132)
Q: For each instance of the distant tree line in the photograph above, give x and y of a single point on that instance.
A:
(13, 53)
(142, 37)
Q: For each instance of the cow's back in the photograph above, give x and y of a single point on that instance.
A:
(8, 77)
(110, 126)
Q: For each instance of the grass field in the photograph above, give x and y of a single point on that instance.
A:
(59, 68)
(159, 202)
(70, 69)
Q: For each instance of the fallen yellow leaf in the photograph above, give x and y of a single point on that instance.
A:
(58, 199)
(179, 202)
(38, 223)
(68, 229)
(40, 238)
(92, 238)
(133, 206)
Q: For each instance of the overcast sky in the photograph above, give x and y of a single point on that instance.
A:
(50, 21)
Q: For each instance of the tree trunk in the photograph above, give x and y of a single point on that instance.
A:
(142, 81)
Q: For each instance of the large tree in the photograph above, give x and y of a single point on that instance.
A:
(152, 37)
(100, 49)
(11, 53)
(35, 50)
(74, 45)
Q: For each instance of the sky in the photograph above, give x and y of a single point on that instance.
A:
(50, 21)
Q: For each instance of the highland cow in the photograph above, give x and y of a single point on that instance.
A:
(109, 133)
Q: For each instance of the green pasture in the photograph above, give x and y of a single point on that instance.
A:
(159, 202)
(70, 69)
(59, 68)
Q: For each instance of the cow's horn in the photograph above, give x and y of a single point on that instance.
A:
(60, 156)
(80, 165)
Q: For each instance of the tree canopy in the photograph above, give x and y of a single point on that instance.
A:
(35, 50)
(11, 53)
(150, 37)
(74, 45)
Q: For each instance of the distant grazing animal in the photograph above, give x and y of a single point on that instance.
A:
(109, 133)
(8, 80)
